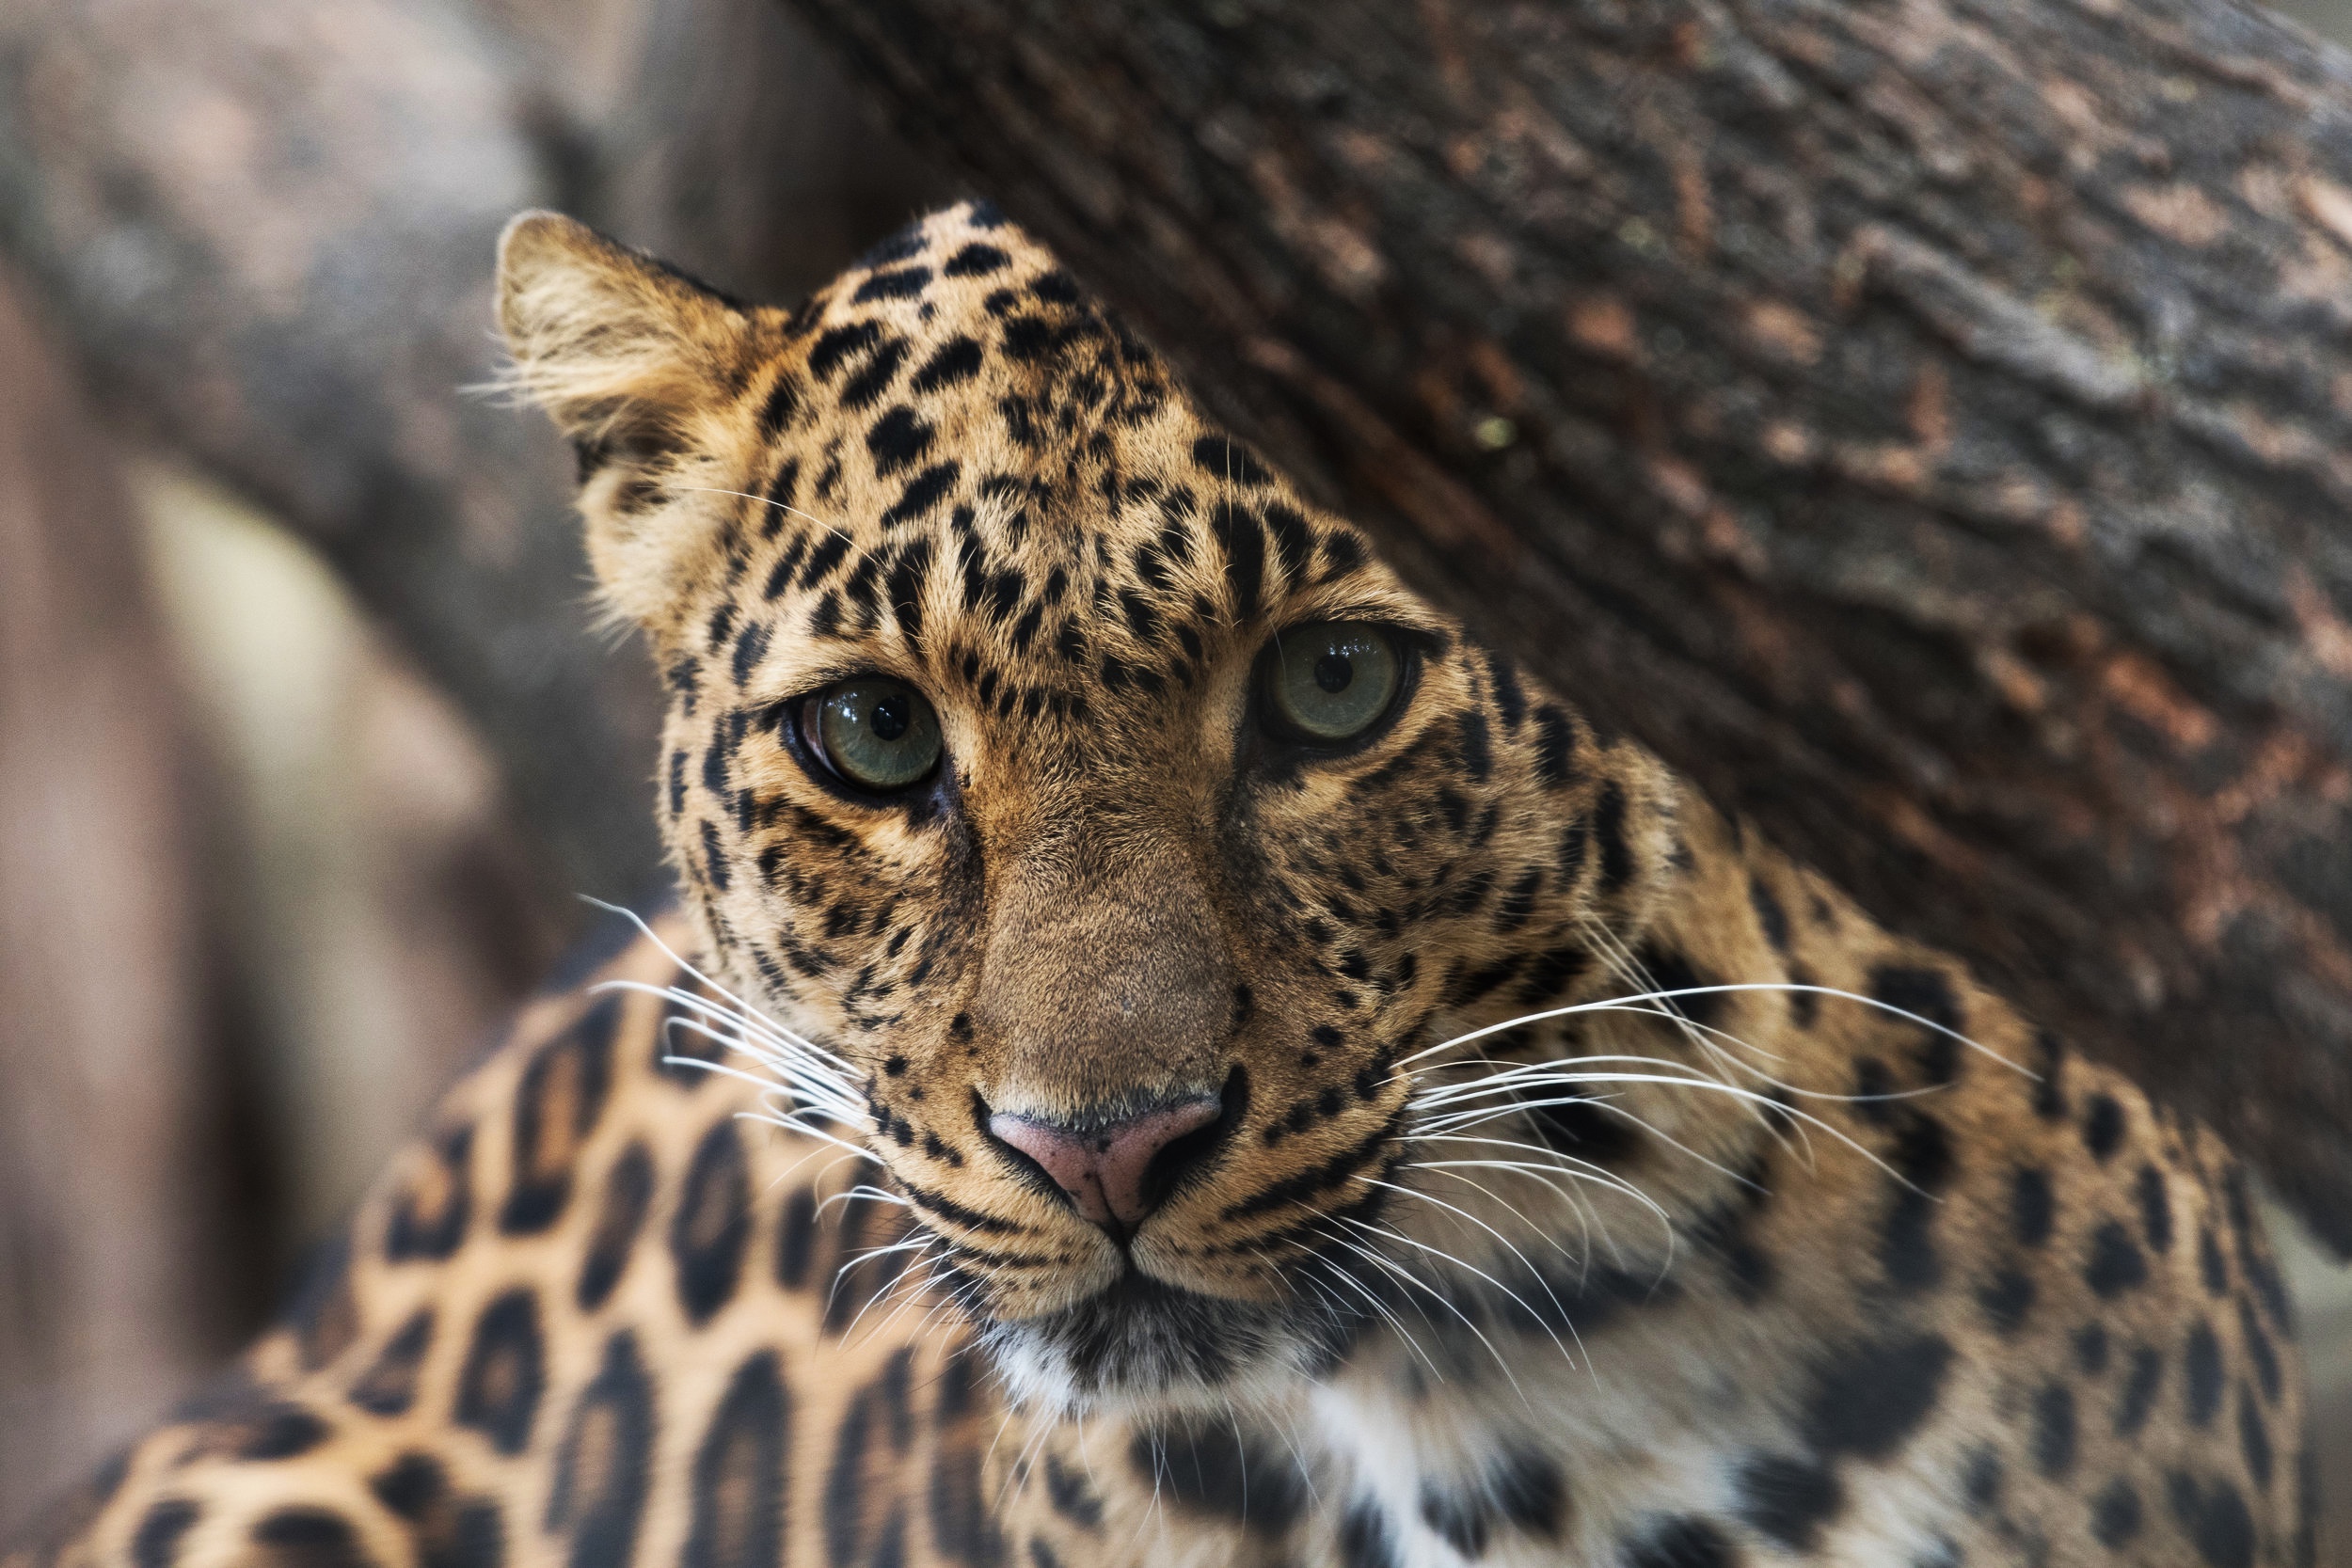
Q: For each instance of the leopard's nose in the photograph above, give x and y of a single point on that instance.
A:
(1116, 1172)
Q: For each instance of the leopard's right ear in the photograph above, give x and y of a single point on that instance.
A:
(635, 362)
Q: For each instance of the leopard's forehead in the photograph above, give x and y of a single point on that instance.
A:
(961, 465)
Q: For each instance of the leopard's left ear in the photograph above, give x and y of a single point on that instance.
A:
(635, 362)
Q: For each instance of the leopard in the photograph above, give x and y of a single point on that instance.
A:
(1167, 1050)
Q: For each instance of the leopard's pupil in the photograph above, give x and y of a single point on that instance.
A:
(889, 718)
(1333, 670)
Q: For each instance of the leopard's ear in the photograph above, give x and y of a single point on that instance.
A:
(638, 366)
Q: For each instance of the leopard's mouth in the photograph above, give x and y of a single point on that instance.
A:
(1141, 1338)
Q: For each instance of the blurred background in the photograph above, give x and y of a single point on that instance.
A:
(306, 743)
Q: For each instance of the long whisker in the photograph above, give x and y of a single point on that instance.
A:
(1789, 987)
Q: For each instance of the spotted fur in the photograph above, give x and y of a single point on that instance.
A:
(1851, 1265)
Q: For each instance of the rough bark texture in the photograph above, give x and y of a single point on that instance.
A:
(1925, 421)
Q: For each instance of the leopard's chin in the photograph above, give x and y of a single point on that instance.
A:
(1144, 1342)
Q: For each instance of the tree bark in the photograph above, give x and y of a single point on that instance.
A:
(1923, 422)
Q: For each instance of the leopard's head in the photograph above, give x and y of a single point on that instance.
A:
(1119, 833)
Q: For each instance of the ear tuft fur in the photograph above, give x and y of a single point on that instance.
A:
(632, 360)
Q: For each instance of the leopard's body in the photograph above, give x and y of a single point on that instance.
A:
(1852, 1266)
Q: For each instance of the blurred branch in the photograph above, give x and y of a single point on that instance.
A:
(122, 1273)
(1924, 426)
(269, 225)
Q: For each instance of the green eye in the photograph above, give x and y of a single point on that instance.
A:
(875, 733)
(1332, 680)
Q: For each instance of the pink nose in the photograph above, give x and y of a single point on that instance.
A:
(1104, 1168)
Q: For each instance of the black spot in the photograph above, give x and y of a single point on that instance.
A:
(904, 283)
(1365, 1539)
(436, 1202)
(1922, 1160)
(2215, 1517)
(1223, 457)
(830, 553)
(1673, 973)
(1458, 1515)
(2049, 1090)
(556, 1106)
(603, 1468)
(963, 1526)
(835, 344)
(2201, 1362)
(955, 361)
(498, 1391)
(2155, 1210)
(2091, 1349)
(450, 1531)
(923, 492)
(2102, 1126)
(1072, 1494)
(1787, 1499)
(1982, 1480)
(2116, 1263)
(796, 1239)
(739, 1483)
(157, 1543)
(975, 260)
(1585, 1128)
(388, 1387)
(1243, 541)
(1555, 748)
(1529, 1490)
(1926, 993)
(845, 1506)
(2032, 1209)
(899, 440)
(2115, 1516)
(2054, 1429)
(2211, 1263)
(784, 401)
(905, 587)
(2139, 1391)
(413, 1487)
(1477, 751)
(1294, 545)
(2253, 1439)
(865, 388)
(2005, 1300)
(308, 1538)
(1616, 854)
(1907, 1243)
(1211, 1469)
(1869, 1398)
(1682, 1542)
(1768, 914)
(627, 1193)
(712, 1225)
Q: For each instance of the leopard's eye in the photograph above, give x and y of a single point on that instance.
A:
(1330, 681)
(875, 733)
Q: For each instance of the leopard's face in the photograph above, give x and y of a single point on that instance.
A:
(1121, 834)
